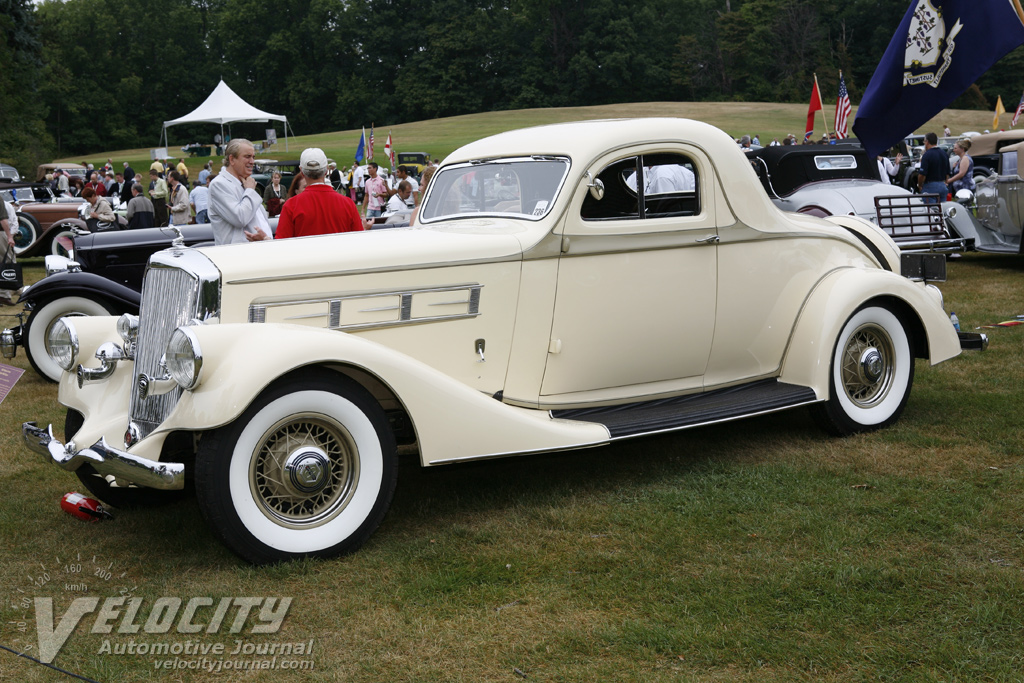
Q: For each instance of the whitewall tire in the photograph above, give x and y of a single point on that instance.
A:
(871, 373)
(309, 470)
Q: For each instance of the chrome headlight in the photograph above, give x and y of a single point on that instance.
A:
(184, 358)
(62, 344)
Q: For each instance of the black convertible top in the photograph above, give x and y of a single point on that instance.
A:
(787, 168)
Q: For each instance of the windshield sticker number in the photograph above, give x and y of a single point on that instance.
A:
(540, 207)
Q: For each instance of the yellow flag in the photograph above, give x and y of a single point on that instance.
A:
(1000, 109)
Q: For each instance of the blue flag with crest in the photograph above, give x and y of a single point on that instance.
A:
(940, 48)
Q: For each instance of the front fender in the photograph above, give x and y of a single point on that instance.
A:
(82, 284)
(835, 298)
(452, 421)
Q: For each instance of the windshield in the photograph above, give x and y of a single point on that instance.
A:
(522, 188)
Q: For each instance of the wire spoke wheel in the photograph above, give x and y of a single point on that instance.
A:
(867, 365)
(305, 470)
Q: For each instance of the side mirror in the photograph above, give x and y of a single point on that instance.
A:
(596, 186)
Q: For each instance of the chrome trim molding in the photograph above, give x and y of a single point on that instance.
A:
(104, 459)
(258, 309)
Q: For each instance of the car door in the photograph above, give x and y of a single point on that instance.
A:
(634, 310)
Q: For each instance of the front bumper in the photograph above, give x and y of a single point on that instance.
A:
(104, 459)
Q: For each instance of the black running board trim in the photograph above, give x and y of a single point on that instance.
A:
(680, 412)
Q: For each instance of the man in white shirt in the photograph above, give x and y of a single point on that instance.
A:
(402, 174)
(236, 209)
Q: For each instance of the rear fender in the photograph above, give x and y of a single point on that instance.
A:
(809, 356)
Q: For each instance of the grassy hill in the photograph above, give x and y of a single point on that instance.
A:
(439, 137)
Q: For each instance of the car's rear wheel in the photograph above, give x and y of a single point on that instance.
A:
(871, 374)
(308, 470)
(42, 320)
(26, 233)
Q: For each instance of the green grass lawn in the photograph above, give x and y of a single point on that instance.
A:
(753, 551)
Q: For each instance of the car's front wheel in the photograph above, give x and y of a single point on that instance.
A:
(308, 470)
(871, 374)
(41, 321)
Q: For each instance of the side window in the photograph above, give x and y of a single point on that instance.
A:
(620, 197)
(668, 186)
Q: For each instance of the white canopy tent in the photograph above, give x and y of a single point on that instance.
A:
(225, 106)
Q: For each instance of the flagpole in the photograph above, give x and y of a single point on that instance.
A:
(822, 106)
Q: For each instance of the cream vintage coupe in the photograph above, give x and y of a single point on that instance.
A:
(564, 286)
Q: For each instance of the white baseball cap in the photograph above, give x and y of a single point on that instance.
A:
(313, 159)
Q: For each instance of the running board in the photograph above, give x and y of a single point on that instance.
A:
(681, 412)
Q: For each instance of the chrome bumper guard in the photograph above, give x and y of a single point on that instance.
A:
(104, 459)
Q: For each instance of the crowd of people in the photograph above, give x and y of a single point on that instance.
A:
(321, 198)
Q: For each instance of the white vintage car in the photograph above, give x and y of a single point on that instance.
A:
(565, 286)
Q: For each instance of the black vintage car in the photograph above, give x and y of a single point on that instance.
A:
(103, 277)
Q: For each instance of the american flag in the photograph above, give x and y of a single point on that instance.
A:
(843, 109)
(369, 147)
(1016, 114)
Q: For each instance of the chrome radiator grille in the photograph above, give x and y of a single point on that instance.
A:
(175, 292)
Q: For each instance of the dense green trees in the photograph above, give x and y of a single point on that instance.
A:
(84, 75)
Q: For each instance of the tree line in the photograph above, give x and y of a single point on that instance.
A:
(80, 76)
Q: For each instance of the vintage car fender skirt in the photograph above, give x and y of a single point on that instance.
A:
(307, 470)
(42, 320)
(871, 375)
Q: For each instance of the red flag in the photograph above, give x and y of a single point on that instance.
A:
(815, 106)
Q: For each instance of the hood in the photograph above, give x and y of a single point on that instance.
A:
(375, 250)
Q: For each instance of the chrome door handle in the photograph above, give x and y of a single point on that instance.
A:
(710, 239)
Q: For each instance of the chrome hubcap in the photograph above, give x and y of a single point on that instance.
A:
(868, 365)
(871, 365)
(308, 470)
(304, 471)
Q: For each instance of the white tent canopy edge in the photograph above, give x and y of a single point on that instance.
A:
(225, 106)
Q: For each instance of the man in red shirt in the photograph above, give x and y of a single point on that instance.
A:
(317, 210)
